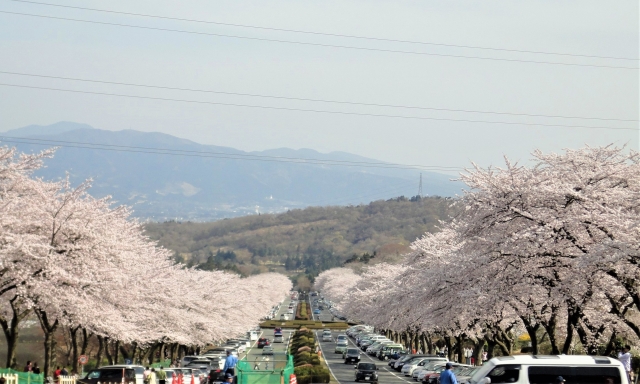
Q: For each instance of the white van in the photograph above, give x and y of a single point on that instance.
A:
(546, 369)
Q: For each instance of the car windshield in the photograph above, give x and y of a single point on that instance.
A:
(111, 375)
(353, 351)
(367, 366)
(431, 365)
(482, 372)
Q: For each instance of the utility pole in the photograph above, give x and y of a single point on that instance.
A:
(420, 186)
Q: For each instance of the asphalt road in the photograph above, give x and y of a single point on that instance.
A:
(278, 359)
(345, 373)
(324, 315)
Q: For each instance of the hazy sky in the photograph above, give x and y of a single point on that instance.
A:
(132, 55)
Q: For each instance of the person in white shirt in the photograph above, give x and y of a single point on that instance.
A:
(625, 358)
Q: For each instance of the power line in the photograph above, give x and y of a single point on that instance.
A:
(315, 44)
(309, 99)
(222, 155)
(317, 110)
(378, 191)
(324, 33)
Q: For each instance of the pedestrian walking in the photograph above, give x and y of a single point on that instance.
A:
(56, 374)
(145, 375)
(28, 367)
(162, 376)
(447, 376)
(625, 358)
(64, 372)
(36, 369)
(152, 376)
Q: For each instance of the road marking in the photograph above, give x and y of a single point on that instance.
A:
(326, 359)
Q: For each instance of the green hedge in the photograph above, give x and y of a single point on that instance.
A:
(303, 311)
(316, 374)
(303, 323)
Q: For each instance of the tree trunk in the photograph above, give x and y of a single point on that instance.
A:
(478, 346)
(107, 352)
(459, 344)
(447, 343)
(85, 342)
(101, 348)
(611, 345)
(73, 332)
(11, 330)
(125, 353)
(49, 330)
(116, 351)
(550, 327)
(491, 345)
(532, 332)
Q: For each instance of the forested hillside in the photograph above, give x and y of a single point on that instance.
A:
(306, 240)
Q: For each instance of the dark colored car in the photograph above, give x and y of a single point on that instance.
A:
(352, 355)
(392, 353)
(367, 372)
(109, 375)
(262, 342)
(216, 376)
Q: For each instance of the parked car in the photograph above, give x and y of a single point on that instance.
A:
(351, 356)
(367, 372)
(409, 367)
(427, 369)
(408, 358)
(110, 374)
(139, 370)
(263, 342)
(390, 351)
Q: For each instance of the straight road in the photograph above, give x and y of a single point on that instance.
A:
(325, 314)
(345, 373)
(269, 362)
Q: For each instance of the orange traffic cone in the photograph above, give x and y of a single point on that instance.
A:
(193, 381)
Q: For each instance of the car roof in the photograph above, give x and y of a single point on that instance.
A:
(555, 360)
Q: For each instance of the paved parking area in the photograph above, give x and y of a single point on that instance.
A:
(345, 373)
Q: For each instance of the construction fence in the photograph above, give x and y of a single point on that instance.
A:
(275, 369)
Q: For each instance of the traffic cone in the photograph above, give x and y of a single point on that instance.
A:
(193, 381)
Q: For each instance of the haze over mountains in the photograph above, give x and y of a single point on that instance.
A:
(165, 177)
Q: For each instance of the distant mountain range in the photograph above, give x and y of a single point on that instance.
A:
(165, 177)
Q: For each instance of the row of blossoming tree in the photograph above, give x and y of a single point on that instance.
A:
(550, 250)
(85, 268)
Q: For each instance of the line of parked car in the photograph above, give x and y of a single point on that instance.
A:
(426, 369)
(202, 369)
